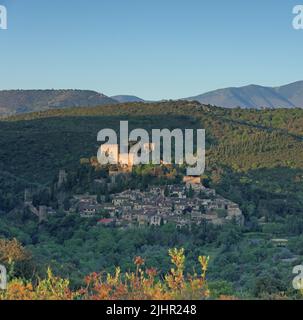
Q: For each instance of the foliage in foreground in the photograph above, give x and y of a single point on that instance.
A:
(143, 284)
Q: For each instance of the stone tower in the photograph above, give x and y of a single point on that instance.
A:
(28, 198)
(42, 213)
(62, 178)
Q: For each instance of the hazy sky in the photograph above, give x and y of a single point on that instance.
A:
(151, 48)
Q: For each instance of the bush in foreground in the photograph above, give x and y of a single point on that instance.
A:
(143, 284)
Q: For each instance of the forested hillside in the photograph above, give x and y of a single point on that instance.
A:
(23, 101)
(254, 158)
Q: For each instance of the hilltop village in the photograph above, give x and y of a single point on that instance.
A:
(183, 204)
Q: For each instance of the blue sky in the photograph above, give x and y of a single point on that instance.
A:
(151, 48)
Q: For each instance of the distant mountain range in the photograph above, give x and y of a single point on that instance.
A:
(254, 96)
(23, 101)
(127, 98)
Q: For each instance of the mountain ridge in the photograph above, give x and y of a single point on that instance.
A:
(14, 102)
(123, 98)
(254, 96)
(24, 101)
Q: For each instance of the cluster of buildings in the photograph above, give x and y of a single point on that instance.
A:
(184, 205)
(181, 204)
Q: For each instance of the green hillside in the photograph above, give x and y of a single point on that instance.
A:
(36, 145)
(239, 142)
(254, 158)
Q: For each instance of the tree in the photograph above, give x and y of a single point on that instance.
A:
(190, 192)
(99, 200)
(202, 209)
(166, 191)
(15, 257)
(66, 204)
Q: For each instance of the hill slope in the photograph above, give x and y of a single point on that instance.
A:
(241, 139)
(253, 96)
(127, 98)
(254, 158)
(22, 101)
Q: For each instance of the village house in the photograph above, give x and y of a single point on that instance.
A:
(106, 222)
(155, 220)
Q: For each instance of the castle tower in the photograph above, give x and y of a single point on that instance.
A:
(109, 153)
(149, 147)
(28, 196)
(62, 178)
(42, 213)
